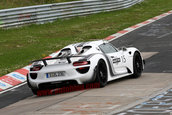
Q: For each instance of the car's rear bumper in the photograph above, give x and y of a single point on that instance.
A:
(73, 78)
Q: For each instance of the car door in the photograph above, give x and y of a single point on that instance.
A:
(119, 62)
(115, 57)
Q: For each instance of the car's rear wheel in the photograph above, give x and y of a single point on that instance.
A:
(137, 65)
(101, 73)
(34, 91)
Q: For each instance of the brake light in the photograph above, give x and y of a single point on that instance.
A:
(36, 68)
(79, 63)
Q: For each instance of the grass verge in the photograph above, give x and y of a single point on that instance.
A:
(21, 45)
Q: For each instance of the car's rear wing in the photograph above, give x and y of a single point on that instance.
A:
(67, 57)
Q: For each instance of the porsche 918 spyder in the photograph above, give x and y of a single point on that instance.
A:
(81, 63)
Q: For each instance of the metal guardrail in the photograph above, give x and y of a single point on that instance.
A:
(40, 14)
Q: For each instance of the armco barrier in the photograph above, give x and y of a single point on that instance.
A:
(39, 14)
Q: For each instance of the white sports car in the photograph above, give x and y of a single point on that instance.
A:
(96, 61)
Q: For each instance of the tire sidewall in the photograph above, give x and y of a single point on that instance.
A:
(137, 73)
(98, 79)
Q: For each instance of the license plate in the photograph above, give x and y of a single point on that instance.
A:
(56, 74)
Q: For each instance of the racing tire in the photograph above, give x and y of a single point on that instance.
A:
(101, 73)
(27, 79)
(137, 65)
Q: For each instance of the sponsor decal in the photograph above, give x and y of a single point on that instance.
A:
(116, 60)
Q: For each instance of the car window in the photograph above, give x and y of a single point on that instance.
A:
(107, 48)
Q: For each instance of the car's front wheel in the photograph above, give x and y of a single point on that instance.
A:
(101, 73)
(137, 65)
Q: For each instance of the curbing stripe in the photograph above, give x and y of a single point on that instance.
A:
(110, 37)
(135, 26)
(19, 76)
(4, 85)
(123, 31)
(145, 22)
(27, 67)
(10, 80)
(22, 71)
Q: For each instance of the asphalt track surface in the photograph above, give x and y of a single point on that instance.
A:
(155, 37)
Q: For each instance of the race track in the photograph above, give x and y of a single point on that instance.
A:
(119, 96)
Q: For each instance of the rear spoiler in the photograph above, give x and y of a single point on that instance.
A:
(67, 57)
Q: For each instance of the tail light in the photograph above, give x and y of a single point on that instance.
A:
(82, 70)
(36, 68)
(79, 63)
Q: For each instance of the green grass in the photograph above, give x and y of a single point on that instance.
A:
(4, 4)
(21, 45)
